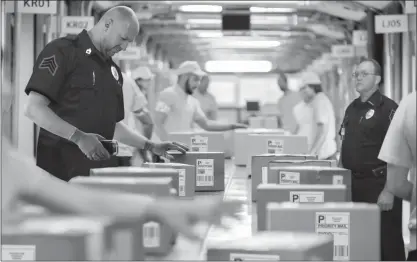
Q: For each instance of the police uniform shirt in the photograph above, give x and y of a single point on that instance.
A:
(363, 130)
(84, 88)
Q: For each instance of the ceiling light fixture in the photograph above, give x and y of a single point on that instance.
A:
(210, 34)
(238, 66)
(258, 9)
(201, 8)
(247, 44)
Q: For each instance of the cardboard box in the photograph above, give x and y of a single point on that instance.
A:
(268, 193)
(130, 171)
(355, 226)
(200, 141)
(158, 238)
(186, 177)
(323, 175)
(268, 122)
(259, 167)
(274, 144)
(71, 238)
(273, 246)
(209, 169)
(241, 145)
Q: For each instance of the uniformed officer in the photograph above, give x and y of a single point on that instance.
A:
(75, 96)
(363, 130)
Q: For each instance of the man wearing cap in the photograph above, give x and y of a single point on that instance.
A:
(286, 104)
(320, 129)
(207, 101)
(362, 132)
(176, 109)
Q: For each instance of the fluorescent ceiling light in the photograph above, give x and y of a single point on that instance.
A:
(256, 20)
(210, 34)
(201, 8)
(258, 9)
(230, 66)
(247, 44)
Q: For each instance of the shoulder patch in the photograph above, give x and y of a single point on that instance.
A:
(391, 114)
(50, 64)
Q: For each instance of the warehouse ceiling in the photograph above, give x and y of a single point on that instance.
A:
(289, 34)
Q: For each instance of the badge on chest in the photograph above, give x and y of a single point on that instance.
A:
(369, 114)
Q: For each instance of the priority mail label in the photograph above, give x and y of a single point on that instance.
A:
(337, 180)
(151, 235)
(336, 224)
(252, 257)
(275, 146)
(181, 182)
(205, 172)
(306, 197)
(199, 144)
(18, 252)
(289, 178)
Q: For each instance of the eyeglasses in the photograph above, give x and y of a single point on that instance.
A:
(361, 74)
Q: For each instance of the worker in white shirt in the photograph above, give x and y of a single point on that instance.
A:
(399, 152)
(207, 101)
(319, 123)
(176, 109)
(137, 115)
(286, 104)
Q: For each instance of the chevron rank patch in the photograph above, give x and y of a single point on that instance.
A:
(50, 64)
(391, 114)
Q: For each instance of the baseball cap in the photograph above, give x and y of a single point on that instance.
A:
(142, 72)
(310, 78)
(189, 67)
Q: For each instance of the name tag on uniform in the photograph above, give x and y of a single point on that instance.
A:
(342, 133)
(369, 114)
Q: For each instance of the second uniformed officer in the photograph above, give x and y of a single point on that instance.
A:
(363, 130)
(75, 96)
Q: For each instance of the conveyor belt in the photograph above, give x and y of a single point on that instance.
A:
(188, 250)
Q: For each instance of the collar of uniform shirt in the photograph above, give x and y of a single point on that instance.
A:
(375, 100)
(86, 44)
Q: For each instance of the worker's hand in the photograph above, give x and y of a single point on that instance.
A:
(160, 149)
(385, 200)
(239, 126)
(91, 146)
(182, 215)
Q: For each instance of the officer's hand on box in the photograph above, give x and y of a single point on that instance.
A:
(90, 145)
(160, 149)
(182, 215)
(385, 200)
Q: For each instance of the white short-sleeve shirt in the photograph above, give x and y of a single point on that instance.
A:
(134, 100)
(303, 114)
(323, 113)
(399, 147)
(182, 110)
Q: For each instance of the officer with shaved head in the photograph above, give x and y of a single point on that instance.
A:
(75, 97)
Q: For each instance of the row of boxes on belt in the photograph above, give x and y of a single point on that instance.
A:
(301, 194)
(242, 143)
(67, 238)
(188, 173)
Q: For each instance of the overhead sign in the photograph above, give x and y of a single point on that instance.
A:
(343, 51)
(33, 6)
(385, 24)
(75, 24)
(410, 7)
(360, 37)
(131, 53)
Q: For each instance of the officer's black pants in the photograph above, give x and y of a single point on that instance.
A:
(412, 256)
(392, 244)
(65, 161)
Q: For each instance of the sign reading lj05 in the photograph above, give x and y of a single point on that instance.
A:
(385, 24)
